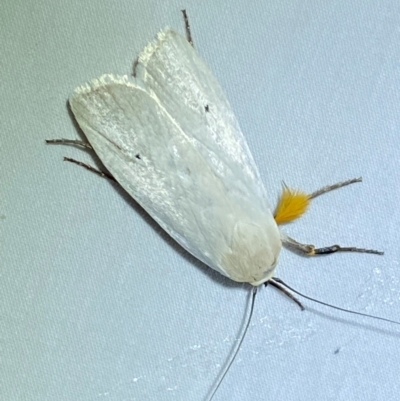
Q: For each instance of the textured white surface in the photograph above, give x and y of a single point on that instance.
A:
(98, 304)
(169, 137)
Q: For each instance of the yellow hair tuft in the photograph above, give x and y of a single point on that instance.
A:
(292, 205)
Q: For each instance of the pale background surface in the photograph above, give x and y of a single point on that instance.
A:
(97, 304)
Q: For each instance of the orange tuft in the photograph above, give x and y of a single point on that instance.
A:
(292, 205)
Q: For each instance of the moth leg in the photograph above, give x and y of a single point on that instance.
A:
(187, 27)
(85, 145)
(102, 174)
(285, 291)
(293, 204)
(311, 250)
(63, 141)
(329, 188)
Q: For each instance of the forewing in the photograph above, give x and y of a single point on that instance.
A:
(184, 85)
(171, 140)
(155, 162)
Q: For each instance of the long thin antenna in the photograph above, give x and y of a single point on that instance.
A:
(233, 357)
(278, 280)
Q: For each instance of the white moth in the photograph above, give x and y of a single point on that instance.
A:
(168, 136)
(189, 168)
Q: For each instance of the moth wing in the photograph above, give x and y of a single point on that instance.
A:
(173, 71)
(199, 184)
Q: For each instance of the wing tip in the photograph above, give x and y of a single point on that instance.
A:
(100, 82)
(155, 44)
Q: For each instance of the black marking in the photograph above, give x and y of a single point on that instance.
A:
(207, 108)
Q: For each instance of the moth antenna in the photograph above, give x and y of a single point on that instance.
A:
(233, 357)
(278, 280)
